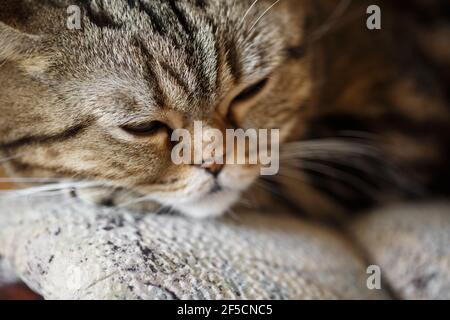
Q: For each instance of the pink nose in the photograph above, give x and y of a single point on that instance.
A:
(213, 167)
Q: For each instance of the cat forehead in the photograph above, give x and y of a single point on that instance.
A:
(201, 34)
(185, 53)
(198, 29)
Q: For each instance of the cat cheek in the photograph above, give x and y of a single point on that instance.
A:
(238, 177)
(239, 112)
(287, 129)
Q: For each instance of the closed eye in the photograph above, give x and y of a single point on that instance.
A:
(239, 106)
(251, 91)
(144, 129)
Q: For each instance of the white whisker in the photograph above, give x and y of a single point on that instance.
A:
(337, 174)
(247, 203)
(49, 188)
(263, 14)
(327, 147)
(135, 201)
(343, 161)
(338, 12)
(31, 180)
(296, 176)
(267, 187)
(6, 159)
(248, 12)
(358, 152)
(359, 135)
(233, 215)
(2, 63)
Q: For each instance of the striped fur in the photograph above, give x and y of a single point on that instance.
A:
(364, 115)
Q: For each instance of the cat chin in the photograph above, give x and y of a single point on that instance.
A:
(210, 206)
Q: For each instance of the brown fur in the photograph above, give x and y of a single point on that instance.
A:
(66, 93)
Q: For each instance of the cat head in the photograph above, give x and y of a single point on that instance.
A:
(100, 102)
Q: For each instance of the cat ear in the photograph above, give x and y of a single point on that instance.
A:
(21, 48)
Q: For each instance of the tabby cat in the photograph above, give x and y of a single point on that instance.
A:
(363, 114)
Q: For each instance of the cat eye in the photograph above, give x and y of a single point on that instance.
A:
(144, 129)
(239, 101)
(251, 92)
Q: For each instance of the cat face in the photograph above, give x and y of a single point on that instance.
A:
(101, 103)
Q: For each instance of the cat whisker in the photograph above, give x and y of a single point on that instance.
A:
(326, 146)
(233, 215)
(358, 165)
(348, 179)
(135, 201)
(263, 14)
(262, 184)
(333, 151)
(357, 13)
(336, 140)
(336, 174)
(248, 12)
(338, 12)
(64, 191)
(49, 188)
(364, 135)
(361, 156)
(247, 203)
(3, 62)
(6, 159)
(331, 22)
(322, 154)
(296, 175)
(162, 209)
(32, 180)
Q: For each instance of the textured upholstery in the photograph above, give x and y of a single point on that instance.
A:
(65, 249)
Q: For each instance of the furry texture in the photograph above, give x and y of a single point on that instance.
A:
(360, 124)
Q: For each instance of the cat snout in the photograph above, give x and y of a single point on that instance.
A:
(212, 167)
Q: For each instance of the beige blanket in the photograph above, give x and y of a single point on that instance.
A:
(65, 249)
